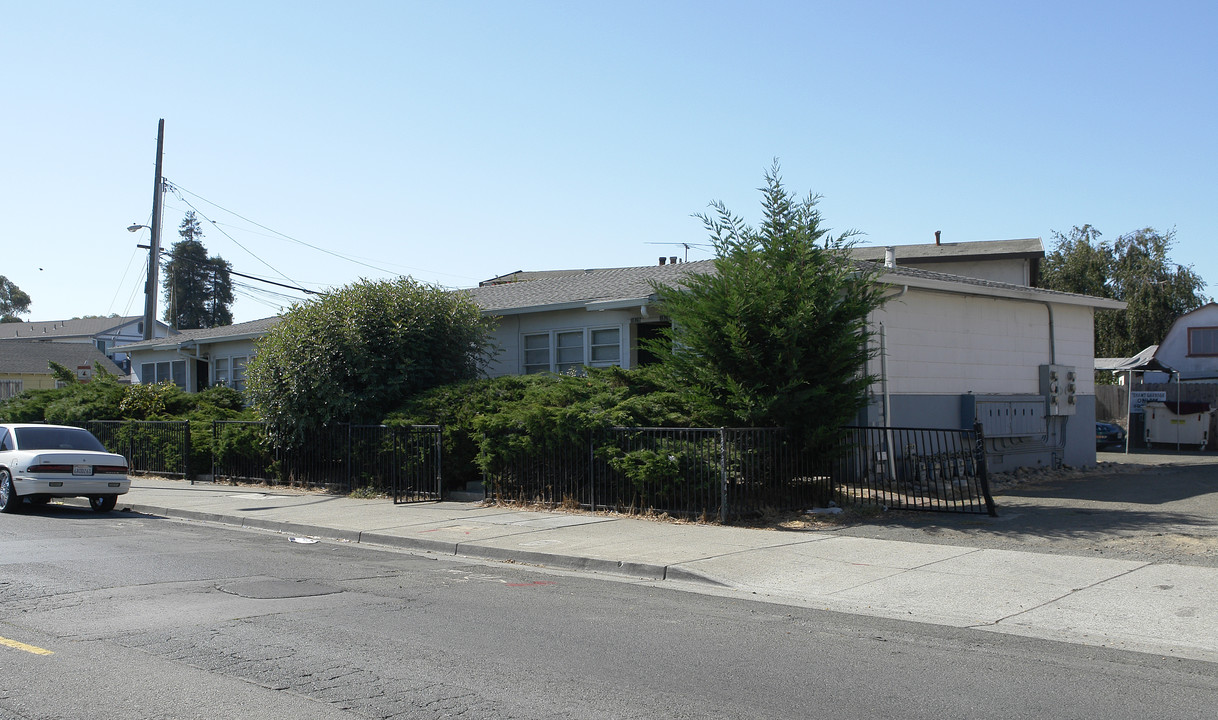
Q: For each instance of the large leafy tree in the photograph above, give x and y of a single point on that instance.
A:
(357, 353)
(777, 335)
(198, 288)
(1137, 269)
(13, 301)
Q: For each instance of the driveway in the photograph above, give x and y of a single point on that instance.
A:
(1151, 507)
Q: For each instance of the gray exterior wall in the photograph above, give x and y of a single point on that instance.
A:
(1069, 440)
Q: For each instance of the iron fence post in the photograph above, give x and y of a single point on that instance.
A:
(723, 475)
(439, 462)
(186, 453)
(983, 473)
(215, 443)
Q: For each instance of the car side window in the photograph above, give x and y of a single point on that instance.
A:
(6, 440)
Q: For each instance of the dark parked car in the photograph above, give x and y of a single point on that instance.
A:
(1108, 435)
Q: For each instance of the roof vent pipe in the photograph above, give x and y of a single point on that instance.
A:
(890, 256)
(937, 236)
(663, 259)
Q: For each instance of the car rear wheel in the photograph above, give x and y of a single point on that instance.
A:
(9, 500)
(103, 503)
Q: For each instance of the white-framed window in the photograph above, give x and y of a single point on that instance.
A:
(564, 351)
(536, 353)
(230, 371)
(569, 351)
(605, 347)
(173, 371)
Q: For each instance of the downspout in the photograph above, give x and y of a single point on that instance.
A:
(887, 396)
(1053, 361)
(1052, 337)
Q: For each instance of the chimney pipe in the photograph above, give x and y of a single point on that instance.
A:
(937, 236)
(890, 257)
(663, 259)
(672, 259)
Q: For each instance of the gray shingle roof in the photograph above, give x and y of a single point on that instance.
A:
(554, 292)
(215, 334)
(33, 356)
(79, 327)
(557, 292)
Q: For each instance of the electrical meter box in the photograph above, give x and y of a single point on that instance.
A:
(1058, 383)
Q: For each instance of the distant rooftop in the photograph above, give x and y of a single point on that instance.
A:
(33, 357)
(78, 327)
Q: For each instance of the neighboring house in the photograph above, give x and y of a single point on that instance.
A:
(26, 364)
(1189, 352)
(1190, 346)
(196, 359)
(1016, 262)
(108, 334)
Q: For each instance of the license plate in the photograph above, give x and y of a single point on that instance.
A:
(82, 469)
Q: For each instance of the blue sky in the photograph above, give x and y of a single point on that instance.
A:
(455, 141)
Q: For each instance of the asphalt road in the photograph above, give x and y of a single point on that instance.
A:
(153, 618)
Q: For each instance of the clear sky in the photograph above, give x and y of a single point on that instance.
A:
(455, 141)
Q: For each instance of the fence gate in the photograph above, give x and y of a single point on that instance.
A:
(417, 454)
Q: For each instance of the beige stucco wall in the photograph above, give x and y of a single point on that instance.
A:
(940, 344)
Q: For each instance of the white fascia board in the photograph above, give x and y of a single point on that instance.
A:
(620, 303)
(1013, 293)
(536, 308)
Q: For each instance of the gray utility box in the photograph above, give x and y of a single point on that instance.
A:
(1005, 415)
(1058, 384)
(1185, 423)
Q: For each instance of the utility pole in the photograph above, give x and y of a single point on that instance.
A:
(154, 247)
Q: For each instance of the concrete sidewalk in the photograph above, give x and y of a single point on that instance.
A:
(1164, 609)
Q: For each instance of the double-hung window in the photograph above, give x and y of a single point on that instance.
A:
(605, 347)
(564, 351)
(230, 372)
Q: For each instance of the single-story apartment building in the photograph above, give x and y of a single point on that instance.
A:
(951, 349)
(196, 359)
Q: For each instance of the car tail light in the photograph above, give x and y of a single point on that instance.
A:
(110, 469)
(49, 469)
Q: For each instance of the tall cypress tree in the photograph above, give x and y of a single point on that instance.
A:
(198, 288)
(777, 334)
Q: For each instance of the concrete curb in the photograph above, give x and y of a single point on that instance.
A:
(637, 570)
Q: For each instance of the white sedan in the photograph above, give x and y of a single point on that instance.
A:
(40, 462)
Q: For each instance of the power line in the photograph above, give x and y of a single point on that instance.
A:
(276, 232)
(176, 190)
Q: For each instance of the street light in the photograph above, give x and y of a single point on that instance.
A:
(137, 227)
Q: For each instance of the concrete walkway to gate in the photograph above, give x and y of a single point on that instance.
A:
(1157, 608)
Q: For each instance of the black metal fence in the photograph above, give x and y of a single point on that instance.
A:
(732, 472)
(706, 473)
(915, 469)
(402, 461)
(151, 447)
